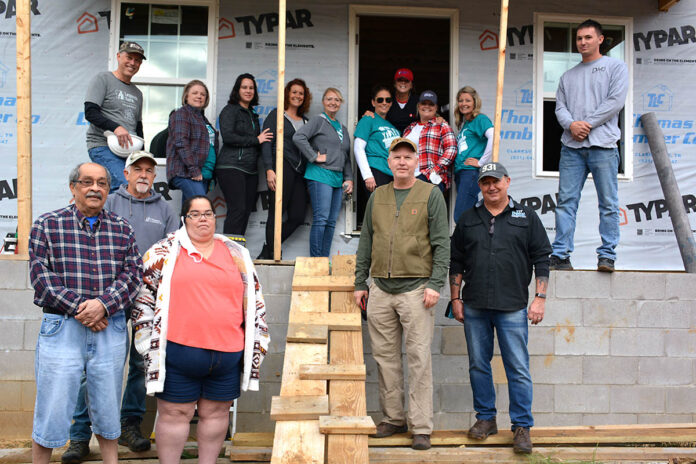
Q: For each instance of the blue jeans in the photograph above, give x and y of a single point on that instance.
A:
(326, 204)
(114, 164)
(189, 187)
(511, 331)
(467, 191)
(64, 351)
(132, 405)
(575, 165)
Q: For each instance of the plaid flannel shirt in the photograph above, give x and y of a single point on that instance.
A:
(69, 263)
(188, 144)
(437, 149)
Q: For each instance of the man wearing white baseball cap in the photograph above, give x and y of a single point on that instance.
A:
(114, 104)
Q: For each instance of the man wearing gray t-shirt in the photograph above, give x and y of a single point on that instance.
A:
(115, 104)
(589, 99)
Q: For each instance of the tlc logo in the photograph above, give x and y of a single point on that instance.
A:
(658, 98)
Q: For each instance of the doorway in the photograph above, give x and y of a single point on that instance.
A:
(424, 40)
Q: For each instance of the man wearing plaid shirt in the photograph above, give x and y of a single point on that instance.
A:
(85, 268)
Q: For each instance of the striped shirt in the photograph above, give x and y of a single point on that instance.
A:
(71, 263)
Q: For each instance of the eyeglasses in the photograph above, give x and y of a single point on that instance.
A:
(196, 215)
(102, 184)
(383, 99)
(491, 226)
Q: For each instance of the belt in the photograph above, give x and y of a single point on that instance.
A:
(53, 311)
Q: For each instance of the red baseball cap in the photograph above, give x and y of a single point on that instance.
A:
(403, 73)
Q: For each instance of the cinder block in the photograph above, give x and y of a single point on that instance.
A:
(664, 418)
(583, 284)
(541, 340)
(681, 343)
(637, 399)
(15, 425)
(16, 365)
(609, 419)
(551, 369)
(502, 398)
(276, 279)
(582, 340)
(10, 395)
(456, 398)
(28, 396)
(637, 342)
(436, 343)
(498, 369)
(278, 333)
(665, 371)
(277, 308)
(638, 286)
(670, 314)
(372, 397)
(562, 312)
(680, 400)
(453, 340)
(544, 400)
(12, 335)
(272, 367)
(14, 274)
(31, 334)
(253, 422)
(556, 419)
(610, 313)
(680, 286)
(581, 398)
(254, 401)
(18, 304)
(367, 344)
(371, 369)
(451, 421)
(451, 369)
(605, 370)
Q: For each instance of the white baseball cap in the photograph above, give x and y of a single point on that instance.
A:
(118, 150)
(138, 155)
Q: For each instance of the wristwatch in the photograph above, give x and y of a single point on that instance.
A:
(540, 295)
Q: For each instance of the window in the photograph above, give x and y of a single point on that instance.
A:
(179, 42)
(555, 53)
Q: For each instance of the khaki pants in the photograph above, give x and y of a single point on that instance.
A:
(388, 317)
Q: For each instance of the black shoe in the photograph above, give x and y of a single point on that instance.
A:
(521, 441)
(133, 438)
(266, 252)
(482, 428)
(605, 265)
(558, 264)
(421, 442)
(385, 429)
(76, 452)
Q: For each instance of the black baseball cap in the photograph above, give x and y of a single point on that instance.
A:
(428, 95)
(496, 170)
(132, 47)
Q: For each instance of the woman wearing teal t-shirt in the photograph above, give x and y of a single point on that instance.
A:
(325, 143)
(373, 135)
(474, 144)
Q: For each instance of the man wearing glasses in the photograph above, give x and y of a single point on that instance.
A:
(493, 249)
(152, 219)
(86, 271)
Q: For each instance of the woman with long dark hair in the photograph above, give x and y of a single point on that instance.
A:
(236, 167)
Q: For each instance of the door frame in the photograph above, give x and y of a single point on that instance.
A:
(353, 56)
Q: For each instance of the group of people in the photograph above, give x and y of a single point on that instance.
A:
(194, 299)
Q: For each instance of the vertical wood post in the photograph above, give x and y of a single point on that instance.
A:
(280, 124)
(502, 42)
(23, 125)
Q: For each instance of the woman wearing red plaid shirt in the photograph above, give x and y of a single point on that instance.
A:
(437, 144)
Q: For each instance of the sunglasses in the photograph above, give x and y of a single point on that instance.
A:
(383, 99)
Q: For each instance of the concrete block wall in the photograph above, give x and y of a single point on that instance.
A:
(613, 349)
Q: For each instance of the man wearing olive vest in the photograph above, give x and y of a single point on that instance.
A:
(404, 245)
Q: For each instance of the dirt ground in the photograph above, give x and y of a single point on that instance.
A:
(23, 443)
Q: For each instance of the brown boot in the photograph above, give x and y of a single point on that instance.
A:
(482, 428)
(385, 429)
(421, 442)
(521, 441)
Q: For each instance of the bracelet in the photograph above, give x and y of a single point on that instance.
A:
(540, 295)
(455, 299)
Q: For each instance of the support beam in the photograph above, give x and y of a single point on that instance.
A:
(299, 408)
(280, 129)
(502, 43)
(665, 5)
(24, 213)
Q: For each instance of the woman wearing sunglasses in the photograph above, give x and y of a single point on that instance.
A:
(373, 135)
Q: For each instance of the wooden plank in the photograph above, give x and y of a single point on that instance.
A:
(665, 5)
(301, 302)
(250, 454)
(334, 283)
(333, 371)
(334, 321)
(347, 425)
(299, 333)
(21, 455)
(279, 137)
(297, 408)
(298, 442)
(297, 354)
(311, 266)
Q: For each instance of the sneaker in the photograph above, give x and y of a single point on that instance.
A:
(421, 442)
(133, 438)
(76, 452)
(605, 265)
(482, 428)
(385, 429)
(521, 441)
(558, 264)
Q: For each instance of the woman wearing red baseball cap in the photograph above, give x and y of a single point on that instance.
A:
(405, 108)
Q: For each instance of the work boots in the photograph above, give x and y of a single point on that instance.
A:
(132, 437)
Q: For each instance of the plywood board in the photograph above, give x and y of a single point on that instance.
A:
(297, 354)
(301, 333)
(334, 283)
(333, 371)
(298, 442)
(346, 425)
(297, 408)
(334, 321)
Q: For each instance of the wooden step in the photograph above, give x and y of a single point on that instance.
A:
(303, 333)
(334, 283)
(334, 321)
(347, 425)
(333, 371)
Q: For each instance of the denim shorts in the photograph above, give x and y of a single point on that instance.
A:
(194, 373)
(64, 350)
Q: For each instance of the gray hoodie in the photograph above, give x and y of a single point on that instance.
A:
(152, 218)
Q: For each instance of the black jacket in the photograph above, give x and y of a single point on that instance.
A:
(402, 117)
(239, 128)
(290, 152)
(497, 267)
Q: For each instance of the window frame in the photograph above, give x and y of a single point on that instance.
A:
(211, 65)
(538, 85)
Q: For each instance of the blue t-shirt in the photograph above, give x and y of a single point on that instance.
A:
(378, 133)
(336, 125)
(325, 176)
(472, 141)
(209, 165)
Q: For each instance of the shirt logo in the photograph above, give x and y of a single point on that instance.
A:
(518, 213)
(414, 211)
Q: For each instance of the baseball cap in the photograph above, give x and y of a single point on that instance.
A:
(403, 73)
(118, 150)
(496, 170)
(402, 140)
(138, 155)
(131, 47)
(427, 95)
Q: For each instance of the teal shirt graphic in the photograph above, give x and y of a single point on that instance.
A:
(378, 133)
(472, 141)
